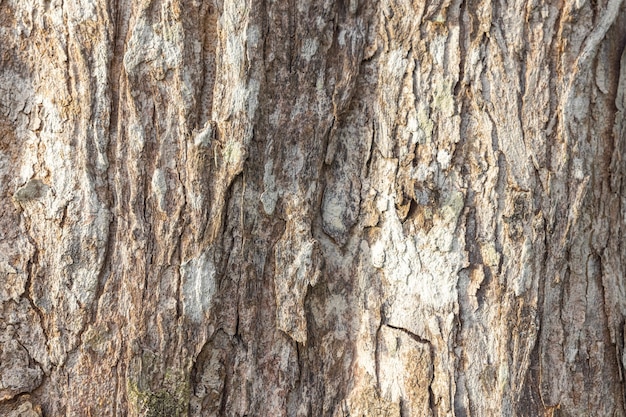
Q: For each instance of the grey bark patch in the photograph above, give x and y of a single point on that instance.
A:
(17, 374)
(22, 407)
(32, 190)
(298, 264)
(340, 208)
(198, 286)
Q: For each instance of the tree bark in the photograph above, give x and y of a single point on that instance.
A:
(312, 208)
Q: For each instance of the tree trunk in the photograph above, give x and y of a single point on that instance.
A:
(312, 208)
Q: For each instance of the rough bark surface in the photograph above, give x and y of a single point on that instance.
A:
(312, 208)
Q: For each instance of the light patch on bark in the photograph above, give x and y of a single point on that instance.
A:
(309, 48)
(405, 371)
(298, 264)
(159, 45)
(269, 197)
(159, 187)
(198, 286)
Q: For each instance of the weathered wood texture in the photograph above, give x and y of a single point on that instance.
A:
(312, 208)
